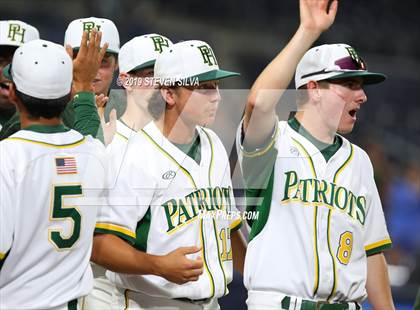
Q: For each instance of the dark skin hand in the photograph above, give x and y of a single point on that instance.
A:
(87, 61)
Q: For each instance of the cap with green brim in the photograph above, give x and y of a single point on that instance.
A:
(191, 61)
(368, 77)
(331, 62)
(149, 64)
(141, 52)
(76, 49)
(6, 72)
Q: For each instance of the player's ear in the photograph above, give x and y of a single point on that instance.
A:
(314, 91)
(168, 95)
(12, 94)
(124, 80)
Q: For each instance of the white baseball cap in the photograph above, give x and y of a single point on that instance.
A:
(41, 69)
(333, 61)
(16, 32)
(110, 35)
(189, 60)
(141, 52)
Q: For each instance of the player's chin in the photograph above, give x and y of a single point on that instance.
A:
(208, 121)
(345, 128)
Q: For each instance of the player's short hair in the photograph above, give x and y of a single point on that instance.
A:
(6, 52)
(46, 108)
(157, 104)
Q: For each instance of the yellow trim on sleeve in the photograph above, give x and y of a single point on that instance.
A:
(377, 244)
(2, 256)
(235, 224)
(117, 228)
(259, 152)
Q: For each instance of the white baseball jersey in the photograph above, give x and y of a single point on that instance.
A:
(156, 202)
(51, 180)
(122, 134)
(117, 148)
(318, 220)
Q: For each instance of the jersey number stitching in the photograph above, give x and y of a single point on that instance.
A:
(224, 235)
(345, 247)
(61, 212)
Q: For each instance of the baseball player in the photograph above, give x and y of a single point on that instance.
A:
(136, 61)
(102, 82)
(13, 33)
(46, 235)
(318, 241)
(174, 190)
(81, 113)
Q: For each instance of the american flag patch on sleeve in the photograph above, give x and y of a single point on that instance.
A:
(66, 165)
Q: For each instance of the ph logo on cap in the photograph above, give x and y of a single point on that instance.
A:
(160, 42)
(110, 35)
(208, 55)
(16, 32)
(189, 60)
(141, 52)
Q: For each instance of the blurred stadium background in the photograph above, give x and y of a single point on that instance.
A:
(246, 35)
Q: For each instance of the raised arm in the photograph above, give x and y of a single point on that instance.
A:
(81, 113)
(316, 16)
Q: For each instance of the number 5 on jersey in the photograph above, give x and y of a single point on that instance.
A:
(61, 212)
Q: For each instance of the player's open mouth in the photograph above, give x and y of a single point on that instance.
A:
(353, 113)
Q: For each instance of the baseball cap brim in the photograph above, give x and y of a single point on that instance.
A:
(368, 77)
(6, 72)
(214, 75)
(147, 64)
(76, 49)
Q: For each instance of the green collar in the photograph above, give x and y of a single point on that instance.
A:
(191, 149)
(327, 150)
(47, 128)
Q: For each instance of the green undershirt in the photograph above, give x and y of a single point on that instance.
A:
(47, 128)
(327, 150)
(191, 149)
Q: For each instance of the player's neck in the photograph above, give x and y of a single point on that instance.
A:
(314, 124)
(26, 122)
(134, 116)
(175, 129)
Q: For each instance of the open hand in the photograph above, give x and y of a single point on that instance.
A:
(315, 14)
(87, 61)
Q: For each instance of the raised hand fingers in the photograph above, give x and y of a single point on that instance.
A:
(83, 44)
(93, 44)
(332, 11)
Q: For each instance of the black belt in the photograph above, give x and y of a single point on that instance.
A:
(194, 301)
(318, 305)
